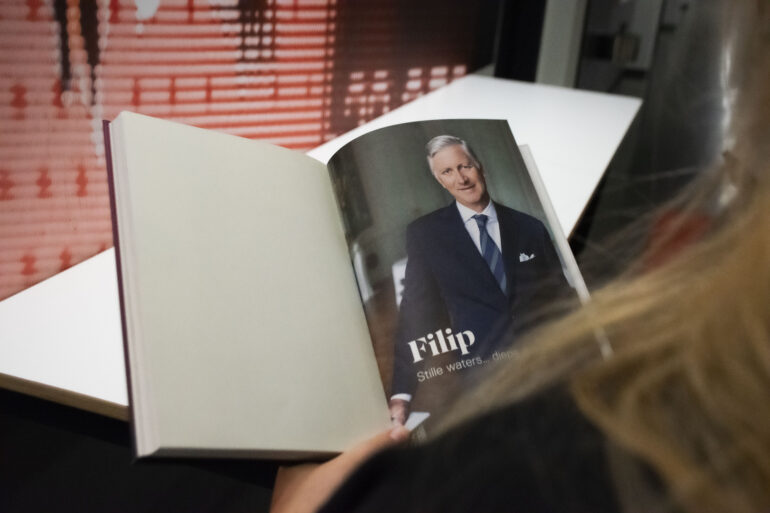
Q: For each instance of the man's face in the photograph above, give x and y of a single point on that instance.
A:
(456, 173)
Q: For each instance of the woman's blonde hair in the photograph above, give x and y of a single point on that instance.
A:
(688, 387)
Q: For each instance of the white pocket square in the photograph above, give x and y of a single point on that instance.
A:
(523, 257)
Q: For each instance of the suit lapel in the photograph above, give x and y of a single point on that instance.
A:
(509, 247)
(488, 289)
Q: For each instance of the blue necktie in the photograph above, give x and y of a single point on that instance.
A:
(490, 252)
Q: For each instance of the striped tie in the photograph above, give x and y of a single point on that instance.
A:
(490, 252)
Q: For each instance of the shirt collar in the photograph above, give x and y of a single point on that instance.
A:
(467, 214)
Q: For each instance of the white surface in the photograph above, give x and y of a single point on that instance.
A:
(65, 331)
(572, 134)
(415, 419)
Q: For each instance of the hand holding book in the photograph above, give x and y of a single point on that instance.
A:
(304, 488)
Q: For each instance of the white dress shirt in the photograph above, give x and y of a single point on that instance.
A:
(493, 226)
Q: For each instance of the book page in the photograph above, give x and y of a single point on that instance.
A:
(246, 332)
(454, 254)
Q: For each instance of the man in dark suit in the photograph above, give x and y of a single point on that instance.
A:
(475, 270)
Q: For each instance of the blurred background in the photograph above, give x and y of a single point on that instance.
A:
(294, 72)
(297, 73)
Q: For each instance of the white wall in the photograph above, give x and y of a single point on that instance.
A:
(560, 42)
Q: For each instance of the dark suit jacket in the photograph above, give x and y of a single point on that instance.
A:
(449, 285)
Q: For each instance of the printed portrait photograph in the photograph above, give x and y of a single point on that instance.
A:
(453, 253)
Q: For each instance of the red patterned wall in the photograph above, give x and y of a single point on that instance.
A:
(294, 72)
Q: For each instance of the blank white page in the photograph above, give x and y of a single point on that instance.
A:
(245, 326)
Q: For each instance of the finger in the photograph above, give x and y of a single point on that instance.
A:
(399, 433)
(378, 442)
(287, 482)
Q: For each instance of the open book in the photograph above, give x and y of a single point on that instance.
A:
(274, 306)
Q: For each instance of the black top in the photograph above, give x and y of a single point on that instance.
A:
(539, 455)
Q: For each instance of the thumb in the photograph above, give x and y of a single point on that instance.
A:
(364, 449)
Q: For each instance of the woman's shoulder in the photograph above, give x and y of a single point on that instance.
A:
(540, 454)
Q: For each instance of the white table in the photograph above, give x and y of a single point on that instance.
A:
(61, 339)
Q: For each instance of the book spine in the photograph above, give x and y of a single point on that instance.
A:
(121, 298)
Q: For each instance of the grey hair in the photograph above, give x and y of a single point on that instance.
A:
(440, 142)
